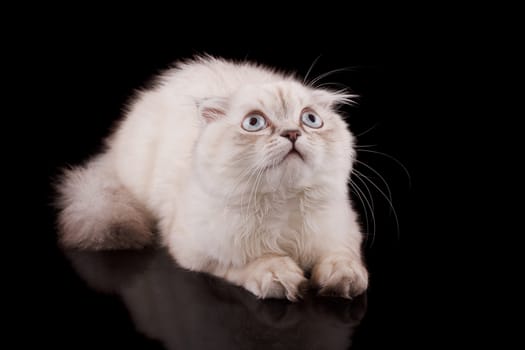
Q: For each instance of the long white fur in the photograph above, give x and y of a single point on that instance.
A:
(226, 201)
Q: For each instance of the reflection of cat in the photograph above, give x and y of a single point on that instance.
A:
(245, 171)
(186, 310)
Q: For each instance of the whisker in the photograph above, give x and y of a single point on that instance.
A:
(379, 175)
(367, 130)
(257, 172)
(305, 79)
(258, 180)
(354, 189)
(244, 173)
(361, 196)
(338, 85)
(387, 199)
(324, 75)
(364, 146)
(370, 205)
(393, 159)
(253, 172)
(366, 187)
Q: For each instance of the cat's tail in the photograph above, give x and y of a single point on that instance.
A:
(98, 212)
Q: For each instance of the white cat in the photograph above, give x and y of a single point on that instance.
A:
(243, 170)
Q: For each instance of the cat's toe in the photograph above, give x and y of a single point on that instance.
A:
(340, 277)
(277, 277)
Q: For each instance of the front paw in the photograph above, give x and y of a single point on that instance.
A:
(340, 276)
(275, 277)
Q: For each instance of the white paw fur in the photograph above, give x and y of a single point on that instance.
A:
(273, 277)
(340, 276)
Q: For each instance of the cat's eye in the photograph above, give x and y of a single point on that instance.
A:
(311, 119)
(254, 122)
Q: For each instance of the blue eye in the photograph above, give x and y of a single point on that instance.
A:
(311, 119)
(254, 122)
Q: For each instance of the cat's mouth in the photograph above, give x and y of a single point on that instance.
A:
(293, 153)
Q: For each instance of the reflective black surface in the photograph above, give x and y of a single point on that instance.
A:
(185, 310)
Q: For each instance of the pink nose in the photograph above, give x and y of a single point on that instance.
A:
(291, 135)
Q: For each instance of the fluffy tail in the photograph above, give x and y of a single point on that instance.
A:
(97, 212)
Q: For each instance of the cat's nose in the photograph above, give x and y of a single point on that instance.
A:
(291, 135)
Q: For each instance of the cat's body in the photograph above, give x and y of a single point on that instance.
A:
(243, 170)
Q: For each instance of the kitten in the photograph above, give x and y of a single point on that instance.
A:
(243, 170)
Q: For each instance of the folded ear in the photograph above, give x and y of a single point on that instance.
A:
(212, 109)
(331, 99)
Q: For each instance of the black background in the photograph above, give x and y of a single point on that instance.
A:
(82, 80)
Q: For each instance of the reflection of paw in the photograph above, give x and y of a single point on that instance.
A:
(275, 277)
(340, 277)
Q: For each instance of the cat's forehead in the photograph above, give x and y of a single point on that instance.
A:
(279, 98)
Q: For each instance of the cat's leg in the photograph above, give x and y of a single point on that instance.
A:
(339, 269)
(270, 276)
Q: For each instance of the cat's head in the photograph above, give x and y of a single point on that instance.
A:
(276, 136)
